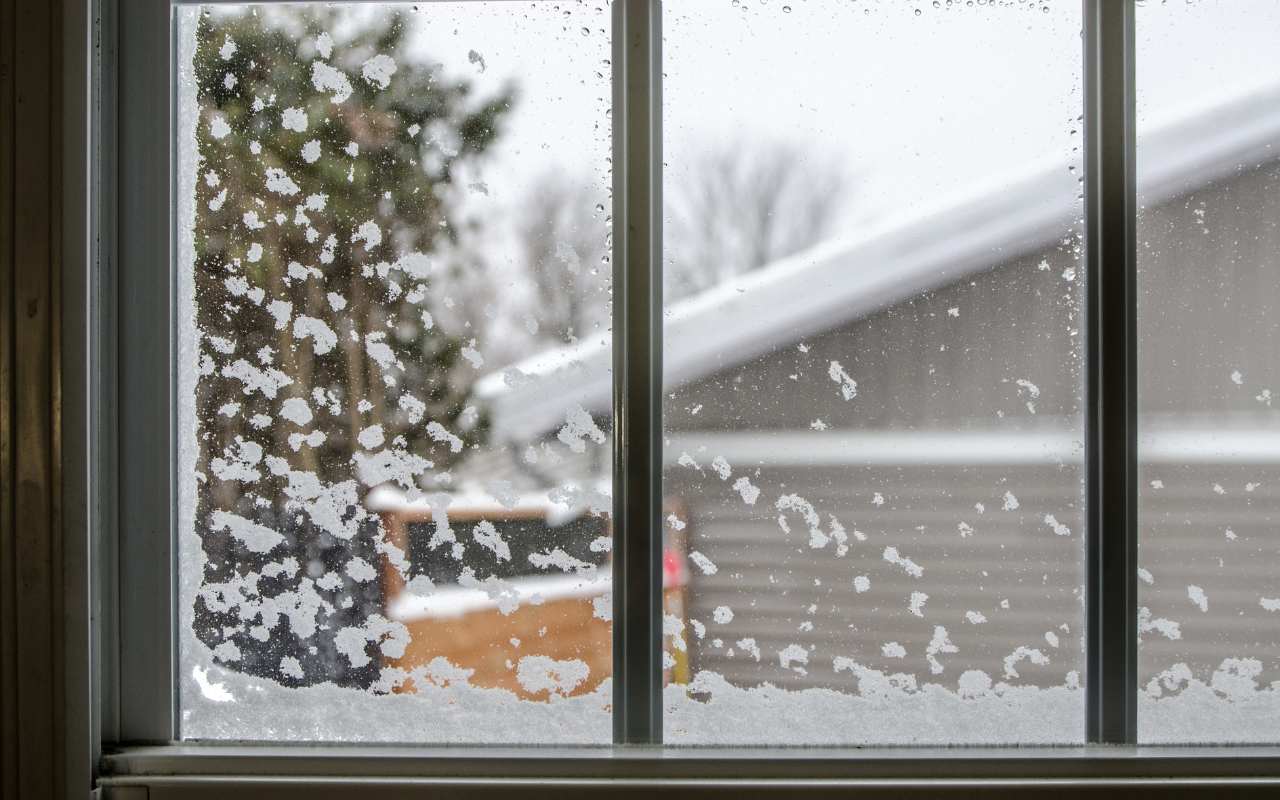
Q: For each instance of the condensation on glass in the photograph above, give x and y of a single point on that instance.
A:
(873, 373)
(391, 218)
(1208, 83)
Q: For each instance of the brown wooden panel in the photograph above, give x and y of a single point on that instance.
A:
(31, 600)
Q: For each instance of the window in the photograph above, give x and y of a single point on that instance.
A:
(689, 375)
(873, 388)
(1206, 324)
(371, 241)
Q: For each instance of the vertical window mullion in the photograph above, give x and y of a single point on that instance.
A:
(145, 402)
(1111, 424)
(637, 372)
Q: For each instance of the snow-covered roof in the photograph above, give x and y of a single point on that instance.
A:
(923, 248)
(473, 500)
(1213, 441)
(449, 602)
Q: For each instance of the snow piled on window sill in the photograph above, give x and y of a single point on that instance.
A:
(887, 715)
(228, 706)
(1203, 714)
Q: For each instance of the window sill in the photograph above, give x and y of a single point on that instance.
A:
(191, 770)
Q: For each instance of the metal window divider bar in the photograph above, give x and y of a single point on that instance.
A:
(637, 372)
(1111, 449)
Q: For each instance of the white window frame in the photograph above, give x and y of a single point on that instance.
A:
(129, 484)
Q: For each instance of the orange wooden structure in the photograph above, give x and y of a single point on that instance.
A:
(559, 620)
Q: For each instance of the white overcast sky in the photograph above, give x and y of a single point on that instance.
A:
(910, 105)
(912, 102)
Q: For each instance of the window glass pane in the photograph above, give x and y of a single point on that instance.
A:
(1208, 83)
(383, 210)
(873, 350)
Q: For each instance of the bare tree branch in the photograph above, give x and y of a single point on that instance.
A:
(735, 208)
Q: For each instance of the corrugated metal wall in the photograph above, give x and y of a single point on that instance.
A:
(952, 360)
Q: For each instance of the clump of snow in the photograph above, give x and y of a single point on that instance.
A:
(390, 637)
(578, 427)
(892, 556)
(375, 345)
(369, 233)
(390, 465)
(1022, 653)
(210, 690)
(323, 338)
(439, 433)
(561, 560)
(371, 437)
(703, 563)
(1057, 527)
(848, 386)
(257, 538)
(486, 535)
(328, 79)
(413, 408)
(268, 381)
(973, 683)
(278, 181)
(1196, 595)
(218, 127)
(324, 44)
(749, 647)
(602, 607)
(378, 70)
(940, 643)
(746, 490)
(472, 355)
(818, 539)
(538, 674)
(281, 310)
(238, 462)
(290, 667)
(294, 119)
(916, 604)
(1165, 627)
(296, 410)
(793, 654)
(361, 571)
(893, 650)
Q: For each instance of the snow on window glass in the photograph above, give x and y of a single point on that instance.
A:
(873, 385)
(388, 216)
(1208, 308)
